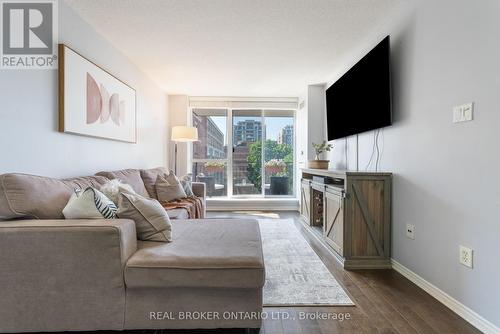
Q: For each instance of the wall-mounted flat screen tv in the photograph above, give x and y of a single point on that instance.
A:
(361, 99)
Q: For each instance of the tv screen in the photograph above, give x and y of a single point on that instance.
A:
(361, 99)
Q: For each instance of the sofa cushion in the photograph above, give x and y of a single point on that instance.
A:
(149, 178)
(131, 177)
(38, 197)
(213, 253)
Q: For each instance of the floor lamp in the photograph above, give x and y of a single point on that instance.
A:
(183, 134)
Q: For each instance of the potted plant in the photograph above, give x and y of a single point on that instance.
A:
(318, 150)
(213, 167)
(276, 168)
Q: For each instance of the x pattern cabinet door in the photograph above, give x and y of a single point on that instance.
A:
(334, 221)
(305, 203)
(368, 219)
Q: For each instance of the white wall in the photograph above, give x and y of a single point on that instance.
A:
(301, 140)
(29, 140)
(444, 53)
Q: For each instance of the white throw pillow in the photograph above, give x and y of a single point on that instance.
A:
(113, 188)
(89, 204)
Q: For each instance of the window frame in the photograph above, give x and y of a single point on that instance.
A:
(229, 155)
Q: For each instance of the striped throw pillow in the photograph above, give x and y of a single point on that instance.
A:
(89, 204)
(103, 204)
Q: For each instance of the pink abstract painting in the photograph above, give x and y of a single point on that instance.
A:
(100, 105)
(95, 103)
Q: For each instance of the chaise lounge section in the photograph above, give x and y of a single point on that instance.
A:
(81, 275)
(213, 266)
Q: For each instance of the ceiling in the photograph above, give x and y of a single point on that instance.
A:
(236, 47)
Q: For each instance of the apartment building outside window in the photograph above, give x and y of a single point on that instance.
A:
(245, 152)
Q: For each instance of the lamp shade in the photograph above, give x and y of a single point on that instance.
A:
(184, 133)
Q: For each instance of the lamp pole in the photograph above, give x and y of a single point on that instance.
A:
(182, 134)
(175, 161)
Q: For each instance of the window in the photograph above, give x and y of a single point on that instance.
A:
(247, 152)
(210, 151)
(279, 152)
(261, 159)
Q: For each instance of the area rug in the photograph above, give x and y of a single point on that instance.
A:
(295, 275)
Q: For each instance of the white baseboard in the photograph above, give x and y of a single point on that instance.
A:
(251, 204)
(463, 311)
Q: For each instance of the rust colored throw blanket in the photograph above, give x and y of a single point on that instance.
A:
(193, 205)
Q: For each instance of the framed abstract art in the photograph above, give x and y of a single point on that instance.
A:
(93, 102)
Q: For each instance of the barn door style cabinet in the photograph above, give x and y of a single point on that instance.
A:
(351, 212)
(305, 200)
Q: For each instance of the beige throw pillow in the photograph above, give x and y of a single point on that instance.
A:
(151, 219)
(169, 188)
(171, 177)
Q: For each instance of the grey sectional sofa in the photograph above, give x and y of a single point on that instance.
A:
(82, 275)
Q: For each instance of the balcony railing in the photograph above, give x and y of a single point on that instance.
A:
(246, 180)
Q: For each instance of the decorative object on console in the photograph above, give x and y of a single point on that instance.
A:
(92, 102)
(183, 134)
(151, 220)
(89, 204)
(318, 150)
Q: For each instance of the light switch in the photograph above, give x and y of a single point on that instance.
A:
(463, 113)
(467, 111)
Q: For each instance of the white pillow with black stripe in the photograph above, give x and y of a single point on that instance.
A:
(89, 204)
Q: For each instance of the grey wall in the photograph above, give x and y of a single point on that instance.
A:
(178, 106)
(444, 53)
(315, 107)
(29, 141)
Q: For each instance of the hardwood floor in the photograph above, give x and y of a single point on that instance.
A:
(386, 302)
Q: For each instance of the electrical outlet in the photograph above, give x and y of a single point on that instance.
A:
(410, 231)
(466, 256)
